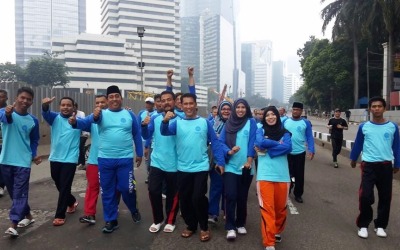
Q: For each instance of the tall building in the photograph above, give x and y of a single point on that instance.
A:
(210, 27)
(257, 65)
(38, 22)
(278, 80)
(160, 48)
(292, 83)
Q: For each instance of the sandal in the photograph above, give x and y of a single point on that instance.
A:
(187, 233)
(169, 228)
(58, 222)
(154, 228)
(12, 232)
(205, 235)
(71, 209)
(25, 222)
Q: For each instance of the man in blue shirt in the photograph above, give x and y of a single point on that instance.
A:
(20, 140)
(3, 104)
(192, 135)
(379, 141)
(118, 128)
(301, 131)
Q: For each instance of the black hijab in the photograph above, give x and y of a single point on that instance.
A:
(235, 123)
(274, 132)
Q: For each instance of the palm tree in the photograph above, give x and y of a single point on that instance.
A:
(348, 22)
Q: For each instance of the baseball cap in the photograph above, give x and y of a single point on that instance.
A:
(149, 99)
(337, 110)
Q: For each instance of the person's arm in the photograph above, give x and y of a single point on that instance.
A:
(137, 139)
(396, 149)
(282, 147)
(192, 88)
(34, 138)
(49, 116)
(148, 130)
(6, 114)
(264, 143)
(310, 138)
(345, 125)
(167, 127)
(170, 73)
(224, 148)
(215, 146)
(252, 138)
(84, 124)
(358, 146)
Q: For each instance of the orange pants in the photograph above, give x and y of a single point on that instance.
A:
(272, 197)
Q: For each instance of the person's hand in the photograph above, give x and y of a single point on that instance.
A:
(234, 150)
(96, 113)
(9, 109)
(168, 116)
(138, 161)
(146, 120)
(72, 119)
(37, 160)
(395, 170)
(311, 156)
(47, 100)
(353, 164)
(339, 126)
(258, 150)
(146, 153)
(247, 165)
(190, 71)
(170, 73)
(220, 170)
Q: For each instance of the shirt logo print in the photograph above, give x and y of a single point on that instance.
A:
(246, 132)
(25, 128)
(123, 120)
(197, 128)
(298, 129)
(386, 135)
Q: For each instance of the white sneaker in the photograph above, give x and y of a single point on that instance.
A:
(241, 230)
(270, 248)
(231, 235)
(163, 196)
(380, 232)
(1, 191)
(363, 232)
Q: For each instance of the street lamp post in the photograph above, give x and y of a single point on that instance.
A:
(140, 32)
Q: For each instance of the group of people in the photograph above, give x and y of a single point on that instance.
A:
(184, 150)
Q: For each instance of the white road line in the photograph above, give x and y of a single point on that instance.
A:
(292, 208)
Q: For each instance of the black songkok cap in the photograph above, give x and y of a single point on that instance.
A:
(297, 105)
(113, 89)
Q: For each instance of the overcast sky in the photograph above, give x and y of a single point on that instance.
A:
(287, 23)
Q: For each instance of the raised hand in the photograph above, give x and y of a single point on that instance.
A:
(168, 116)
(96, 113)
(9, 109)
(190, 71)
(72, 119)
(170, 73)
(146, 120)
(48, 100)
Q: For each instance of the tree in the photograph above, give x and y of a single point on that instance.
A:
(46, 70)
(10, 73)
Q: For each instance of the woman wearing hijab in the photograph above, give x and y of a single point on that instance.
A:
(237, 141)
(216, 182)
(273, 143)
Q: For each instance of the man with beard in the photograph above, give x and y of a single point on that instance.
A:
(21, 139)
(163, 167)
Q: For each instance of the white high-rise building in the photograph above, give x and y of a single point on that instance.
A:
(292, 83)
(161, 41)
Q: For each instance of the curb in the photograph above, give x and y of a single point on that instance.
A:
(325, 137)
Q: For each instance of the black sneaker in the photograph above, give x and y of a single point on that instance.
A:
(278, 238)
(110, 226)
(136, 217)
(91, 219)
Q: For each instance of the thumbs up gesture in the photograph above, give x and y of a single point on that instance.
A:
(72, 119)
(96, 113)
(168, 116)
(48, 100)
(146, 120)
(9, 109)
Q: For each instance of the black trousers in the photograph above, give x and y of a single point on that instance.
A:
(336, 147)
(192, 188)
(82, 142)
(2, 184)
(63, 176)
(379, 174)
(296, 170)
(156, 179)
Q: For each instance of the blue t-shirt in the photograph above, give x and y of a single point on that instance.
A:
(164, 154)
(301, 135)
(192, 137)
(117, 132)
(378, 142)
(273, 166)
(20, 139)
(245, 140)
(64, 139)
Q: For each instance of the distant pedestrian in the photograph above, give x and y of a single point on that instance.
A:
(348, 114)
(380, 145)
(302, 140)
(3, 104)
(20, 140)
(273, 144)
(64, 153)
(336, 126)
(282, 113)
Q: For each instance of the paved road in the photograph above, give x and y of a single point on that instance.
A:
(325, 221)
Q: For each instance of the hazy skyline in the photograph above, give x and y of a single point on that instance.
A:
(287, 23)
